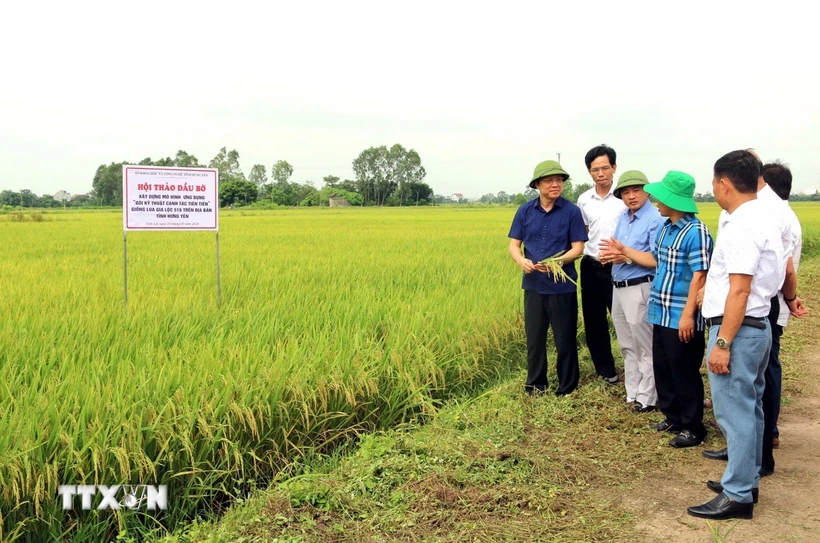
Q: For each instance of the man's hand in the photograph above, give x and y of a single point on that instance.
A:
(719, 361)
(528, 267)
(796, 308)
(612, 251)
(686, 328)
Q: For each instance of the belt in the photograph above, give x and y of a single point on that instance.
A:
(633, 282)
(754, 322)
(596, 263)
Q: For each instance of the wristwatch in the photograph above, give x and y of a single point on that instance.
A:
(628, 260)
(721, 343)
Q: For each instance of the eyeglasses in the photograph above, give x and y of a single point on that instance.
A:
(594, 171)
(552, 180)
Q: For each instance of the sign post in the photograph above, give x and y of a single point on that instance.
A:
(168, 198)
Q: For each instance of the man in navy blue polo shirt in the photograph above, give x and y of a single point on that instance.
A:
(547, 226)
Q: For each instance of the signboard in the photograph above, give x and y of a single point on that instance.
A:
(166, 198)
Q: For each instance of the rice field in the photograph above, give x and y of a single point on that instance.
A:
(332, 322)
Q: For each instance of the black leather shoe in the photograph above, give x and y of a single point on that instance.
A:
(666, 426)
(765, 472)
(641, 408)
(721, 507)
(719, 454)
(685, 439)
(717, 488)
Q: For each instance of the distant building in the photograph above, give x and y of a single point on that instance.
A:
(456, 196)
(337, 201)
(62, 196)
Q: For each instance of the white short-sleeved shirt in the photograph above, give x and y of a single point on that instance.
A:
(777, 213)
(750, 246)
(601, 216)
(797, 250)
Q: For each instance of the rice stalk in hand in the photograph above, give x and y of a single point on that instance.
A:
(556, 268)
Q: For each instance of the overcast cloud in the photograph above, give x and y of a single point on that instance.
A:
(482, 91)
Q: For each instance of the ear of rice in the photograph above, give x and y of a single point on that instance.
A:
(557, 269)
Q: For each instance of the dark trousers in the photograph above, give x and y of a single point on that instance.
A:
(561, 312)
(771, 393)
(677, 377)
(596, 300)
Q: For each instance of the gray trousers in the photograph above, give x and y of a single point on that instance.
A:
(629, 310)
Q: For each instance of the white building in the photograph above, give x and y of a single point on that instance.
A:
(62, 196)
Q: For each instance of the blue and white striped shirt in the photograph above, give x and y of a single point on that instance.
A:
(681, 249)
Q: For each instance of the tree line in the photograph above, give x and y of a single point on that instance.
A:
(383, 177)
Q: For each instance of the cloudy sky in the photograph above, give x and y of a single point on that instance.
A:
(482, 93)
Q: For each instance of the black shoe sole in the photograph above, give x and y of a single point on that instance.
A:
(723, 516)
(684, 445)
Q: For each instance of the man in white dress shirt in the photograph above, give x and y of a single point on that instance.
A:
(600, 210)
(778, 179)
(747, 270)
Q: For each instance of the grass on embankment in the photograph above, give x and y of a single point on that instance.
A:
(498, 467)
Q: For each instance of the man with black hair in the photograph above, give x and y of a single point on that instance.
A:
(780, 215)
(747, 270)
(601, 211)
(779, 179)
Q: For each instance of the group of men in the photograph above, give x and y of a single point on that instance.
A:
(663, 280)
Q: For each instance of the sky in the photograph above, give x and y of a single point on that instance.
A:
(483, 92)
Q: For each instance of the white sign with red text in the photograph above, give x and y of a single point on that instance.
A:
(167, 198)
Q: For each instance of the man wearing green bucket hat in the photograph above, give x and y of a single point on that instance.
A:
(630, 251)
(551, 229)
(683, 251)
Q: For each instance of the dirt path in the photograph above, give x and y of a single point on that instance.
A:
(789, 508)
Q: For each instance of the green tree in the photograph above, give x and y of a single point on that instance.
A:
(258, 176)
(348, 184)
(281, 172)
(185, 160)
(238, 191)
(519, 199)
(107, 184)
(331, 180)
(530, 194)
(405, 168)
(369, 168)
(47, 200)
(418, 193)
(227, 163)
(578, 191)
(80, 200)
(303, 191)
(381, 171)
(10, 198)
(321, 197)
(568, 192)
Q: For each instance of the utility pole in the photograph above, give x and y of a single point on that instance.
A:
(559, 157)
